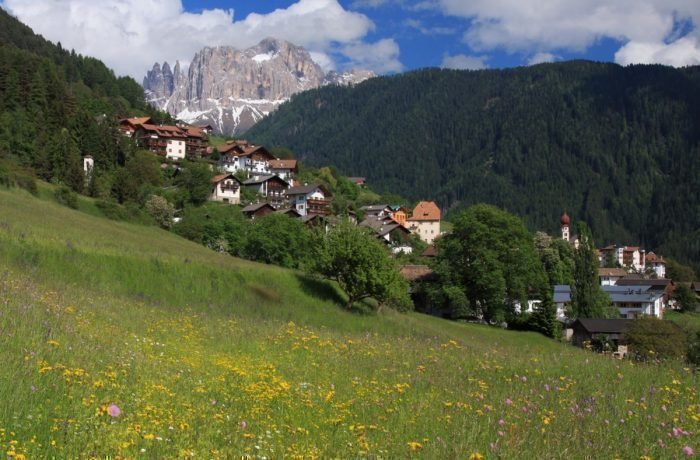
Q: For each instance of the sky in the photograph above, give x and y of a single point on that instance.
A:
(386, 36)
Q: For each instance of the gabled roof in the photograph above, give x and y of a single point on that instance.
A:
(374, 207)
(252, 208)
(229, 147)
(248, 151)
(219, 177)
(603, 326)
(260, 179)
(283, 164)
(136, 120)
(306, 189)
(425, 210)
(289, 212)
(430, 251)
(383, 226)
(652, 258)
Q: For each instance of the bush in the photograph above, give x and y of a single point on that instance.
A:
(12, 175)
(111, 210)
(654, 339)
(66, 197)
(161, 211)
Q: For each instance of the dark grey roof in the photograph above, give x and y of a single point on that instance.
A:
(374, 207)
(260, 179)
(305, 189)
(562, 293)
(256, 206)
(656, 283)
(609, 326)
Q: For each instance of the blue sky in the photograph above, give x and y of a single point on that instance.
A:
(386, 36)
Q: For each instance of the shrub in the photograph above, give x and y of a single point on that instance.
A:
(653, 339)
(66, 197)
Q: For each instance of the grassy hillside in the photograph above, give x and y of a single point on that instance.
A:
(125, 341)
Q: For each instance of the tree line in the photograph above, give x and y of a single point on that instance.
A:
(617, 147)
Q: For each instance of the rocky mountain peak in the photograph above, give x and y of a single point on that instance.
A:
(231, 89)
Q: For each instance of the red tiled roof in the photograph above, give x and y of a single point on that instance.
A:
(425, 210)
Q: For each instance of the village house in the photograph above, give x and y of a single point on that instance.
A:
(376, 210)
(425, 221)
(237, 156)
(624, 256)
(285, 169)
(310, 199)
(128, 126)
(631, 301)
(656, 264)
(587, 331)
(399, 214)
(258, 210)
(610, 276)
(226, 188)
(390, 232)
(272, 188)
(172, 142)
(663, 287)
(359, 181)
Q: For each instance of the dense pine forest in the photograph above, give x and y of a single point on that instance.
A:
(615, 146)
(57, 106)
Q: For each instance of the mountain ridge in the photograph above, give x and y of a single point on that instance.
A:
(618, 147)
(232, 89)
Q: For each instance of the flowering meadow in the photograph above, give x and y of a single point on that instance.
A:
(139, 361)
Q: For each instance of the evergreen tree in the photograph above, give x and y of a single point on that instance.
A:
(588, 300)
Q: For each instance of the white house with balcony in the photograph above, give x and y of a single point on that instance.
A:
(309, 199)
(226, 188)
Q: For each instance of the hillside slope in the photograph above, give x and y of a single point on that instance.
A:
(617, 147)
(126, 341)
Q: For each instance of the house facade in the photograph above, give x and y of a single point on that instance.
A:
(610, 276)
(226, 188)
(272, 188)
(284, 169)
(310, 199)
(656, 264)
(425, 221)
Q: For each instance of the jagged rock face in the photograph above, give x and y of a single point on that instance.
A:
(232, 89)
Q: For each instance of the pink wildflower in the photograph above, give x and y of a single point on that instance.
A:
(501, 422)
(508, 402)
(688, 451)
(114, 410)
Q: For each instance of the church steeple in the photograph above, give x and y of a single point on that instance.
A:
(565, 235)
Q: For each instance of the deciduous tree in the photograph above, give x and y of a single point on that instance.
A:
(361, 266)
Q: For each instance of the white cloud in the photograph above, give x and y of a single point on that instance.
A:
(648, 27)
(130, 35)
(682, 52)
(382, 56)
(541, 57)
(464, 62)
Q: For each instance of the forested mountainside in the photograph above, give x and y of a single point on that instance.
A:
(57, 105)
(615, 146)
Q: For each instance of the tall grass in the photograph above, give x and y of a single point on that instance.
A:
(121, 341)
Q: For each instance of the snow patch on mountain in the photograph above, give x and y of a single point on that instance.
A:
(233, 89)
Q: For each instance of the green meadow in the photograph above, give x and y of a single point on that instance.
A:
(126, 341)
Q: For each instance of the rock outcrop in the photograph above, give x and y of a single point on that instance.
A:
(232, 89)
